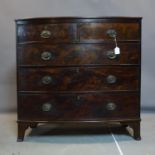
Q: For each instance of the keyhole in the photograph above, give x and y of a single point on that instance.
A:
(77, 70)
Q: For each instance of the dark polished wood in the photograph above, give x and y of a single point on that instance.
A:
(59, 32)
(78, 106)
(68, 74)
(21, 131)
(78, 79)
(98, 31)
(77, 54)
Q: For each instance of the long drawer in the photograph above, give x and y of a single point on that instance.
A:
(77, 106)
(77, 54)
(78, 79)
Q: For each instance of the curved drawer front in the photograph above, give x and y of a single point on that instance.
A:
(78, 106)
(78, 79)
(46, 32)
(77, 54)
(107, 31)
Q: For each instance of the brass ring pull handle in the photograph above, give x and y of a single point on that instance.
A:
(111, 33)
(46, 55)
(45, 34)
(47, 80)
(46, 107)
(111, 55)
(78, 98)
(111, 79)
(111, 106)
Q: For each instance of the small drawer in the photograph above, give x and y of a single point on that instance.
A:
(78, 79)
(77, 54)
(78, 106)
(46, 32)
(108, 31)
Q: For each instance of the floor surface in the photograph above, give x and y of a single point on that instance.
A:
(41, 142)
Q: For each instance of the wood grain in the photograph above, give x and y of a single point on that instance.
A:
(78, 106)
(77, 54)
(78, 92)
(78, 79)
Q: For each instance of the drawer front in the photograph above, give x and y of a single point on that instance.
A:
(106, 31)
(77, 54)
(78, 106)
(43, 32)
(78, 79)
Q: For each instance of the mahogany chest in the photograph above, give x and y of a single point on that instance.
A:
(68, 72)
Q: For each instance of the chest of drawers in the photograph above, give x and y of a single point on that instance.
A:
(68, 72)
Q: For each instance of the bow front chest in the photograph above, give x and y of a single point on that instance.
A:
(69, 72)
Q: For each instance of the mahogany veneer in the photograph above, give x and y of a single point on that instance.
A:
(68, 73)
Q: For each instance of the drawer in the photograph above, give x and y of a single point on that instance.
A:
(78, 106)
(46, 32)
(78, 79)
(106, 31)
(77, 54)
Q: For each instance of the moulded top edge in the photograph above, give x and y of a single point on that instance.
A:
(74, 18)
